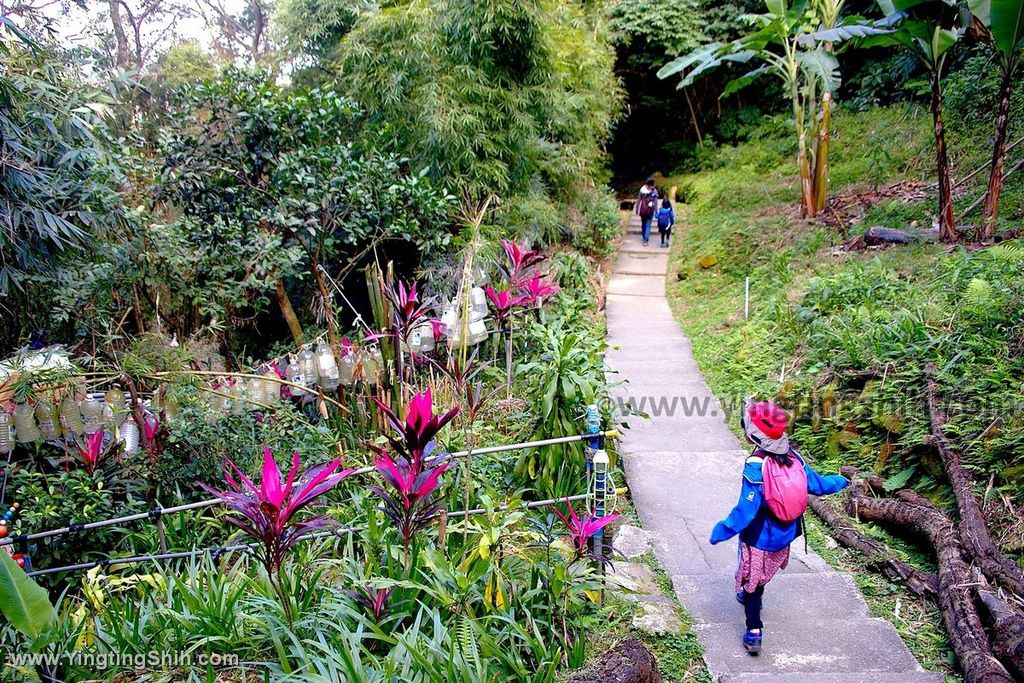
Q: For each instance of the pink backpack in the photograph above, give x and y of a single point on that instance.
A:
(785, 488)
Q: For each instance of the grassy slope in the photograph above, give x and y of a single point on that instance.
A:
(816, 315)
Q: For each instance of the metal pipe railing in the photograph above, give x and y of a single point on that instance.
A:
(158, 512)
(218, 550)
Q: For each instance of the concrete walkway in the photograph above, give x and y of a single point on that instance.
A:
(683, 468)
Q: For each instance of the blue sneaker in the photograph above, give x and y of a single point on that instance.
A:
(752, 641)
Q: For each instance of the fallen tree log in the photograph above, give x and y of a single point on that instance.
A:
(921, 584)
(973, 526)
(879, 235)
(955, 595)
(1007, 631)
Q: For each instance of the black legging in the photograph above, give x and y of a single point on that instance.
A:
(752, 607)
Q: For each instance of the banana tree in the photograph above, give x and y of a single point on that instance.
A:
(928, 29)
(796, 45)
(1004, 20)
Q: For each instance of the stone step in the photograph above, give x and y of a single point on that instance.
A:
(788, 597)
(857, 646)
(637, 285)
(870, 677)
(642, 264)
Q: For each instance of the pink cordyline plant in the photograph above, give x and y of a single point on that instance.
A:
(581, 529)
(375, 600)
(520, 258)
(413, 473)
(536, 289)
(91, 450)
(268, 512)
(504, 302)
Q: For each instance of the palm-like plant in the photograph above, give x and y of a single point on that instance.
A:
(581, 529)
(1004, 20)
(794, 44)
(928, 30)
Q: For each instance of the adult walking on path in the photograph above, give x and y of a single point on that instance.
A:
(646, 206)
(681, 466)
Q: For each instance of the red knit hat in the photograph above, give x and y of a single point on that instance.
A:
(765, 424)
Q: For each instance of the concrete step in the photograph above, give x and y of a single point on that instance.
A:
(642, 264)
(637, 285)
(857, 646)
(872, 677)
(788, 597)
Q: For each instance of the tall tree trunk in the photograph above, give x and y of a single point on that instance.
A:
(287, 311)
(120, 37)
(947, 224)
(995, 178)
(821, 155)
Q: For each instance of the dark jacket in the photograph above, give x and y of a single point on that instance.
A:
(750, 517)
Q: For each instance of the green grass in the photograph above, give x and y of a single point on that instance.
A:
(817, 315)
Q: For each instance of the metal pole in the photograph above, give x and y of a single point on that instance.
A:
(746, 298)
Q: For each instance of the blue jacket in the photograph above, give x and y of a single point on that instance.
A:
(751, 519)
(665, 217)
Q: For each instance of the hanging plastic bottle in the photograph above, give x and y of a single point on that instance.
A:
(25, 427)
(170, 408)
(347, 367)
(327, 366)
(130, 437)
(307, 361)
(294, 374)
(421, 340)
(271, 388)
(6, 434)
(114, 408)
(450, 320)
(49, 422)
(92, 413)
(477, 332)
(477, 304)
(372, 362)
(71, 417)
(239, 393)
(254, 392)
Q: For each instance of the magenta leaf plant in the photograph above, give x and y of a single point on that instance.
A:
(90, 450)
(504, 302)
(269, 512)
(373, 600)
(413, 473)
(520, 259)
(581, 529)
(536, 289)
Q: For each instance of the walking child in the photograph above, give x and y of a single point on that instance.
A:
(666, 218)
(769, 514)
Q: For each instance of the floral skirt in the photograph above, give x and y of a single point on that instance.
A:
(757, 567)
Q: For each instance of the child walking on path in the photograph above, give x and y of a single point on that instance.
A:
(769, 514)
(666, 218)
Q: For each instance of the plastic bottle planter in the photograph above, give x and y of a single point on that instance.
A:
(327, 367)
(347, 369)
(307, 362)
(271, 389)
(421, 340)
(477, 305)
(25, 427)
(92, 413)
(6, 433)
(295, 375)
(71, 417)
(49, 422)
(130, 437)
(372, 363)
(114, 407)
